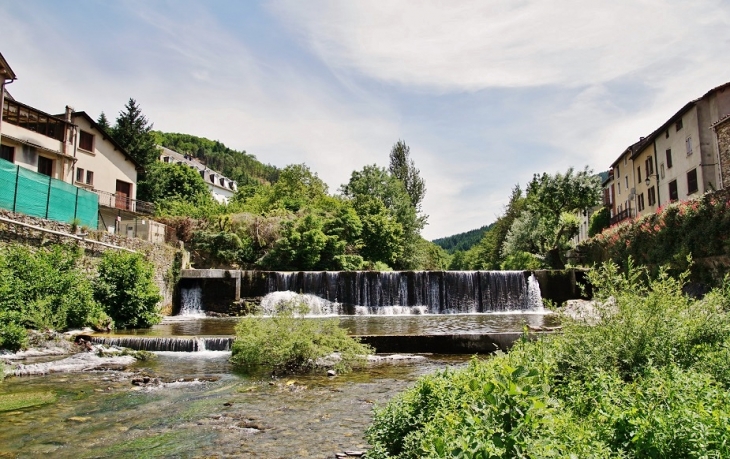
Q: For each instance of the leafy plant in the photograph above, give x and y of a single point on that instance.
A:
(126, 290)
(289, 343)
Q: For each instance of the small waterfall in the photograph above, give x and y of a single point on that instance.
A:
(403, 292)
(192, 302)
(154, 344)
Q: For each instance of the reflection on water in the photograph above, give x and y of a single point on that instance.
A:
(104, 415)
(436, 324)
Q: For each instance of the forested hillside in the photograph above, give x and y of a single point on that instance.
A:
(462, 241)
(237, 165)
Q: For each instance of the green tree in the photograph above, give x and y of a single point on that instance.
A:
(600, 220)
(126, 290)
(103, 122)
(173, 181)
(404, 169)
(553, 201)
(134, 133)
(377, 184)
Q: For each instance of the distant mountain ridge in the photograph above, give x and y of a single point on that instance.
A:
(240, 166)
(462, 241)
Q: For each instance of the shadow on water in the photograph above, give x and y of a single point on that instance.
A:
(102, 414)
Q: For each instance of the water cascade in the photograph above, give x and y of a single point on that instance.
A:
(192, 302)
(405, 292)
(156, 344)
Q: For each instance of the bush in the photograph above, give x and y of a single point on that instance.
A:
(43, 289)
(288, 343)
(650, 379)
(126, 290)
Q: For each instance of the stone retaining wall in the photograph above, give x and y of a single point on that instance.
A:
(163, 256)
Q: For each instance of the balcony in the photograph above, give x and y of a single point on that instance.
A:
(124, 203)
(623, 215)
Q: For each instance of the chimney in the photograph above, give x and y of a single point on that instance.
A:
(69, 111)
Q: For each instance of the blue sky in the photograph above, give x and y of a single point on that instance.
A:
(486, 93)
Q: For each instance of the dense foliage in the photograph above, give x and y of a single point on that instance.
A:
(43, 289)
(462, 241)
(166, 181)
(289, 343)
(698, 227)
(126, 290)
(644, 375)
(134, 133)
(240, 166)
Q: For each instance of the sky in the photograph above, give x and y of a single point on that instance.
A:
(485, 93)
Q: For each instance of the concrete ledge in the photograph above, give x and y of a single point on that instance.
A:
(443, 344)
(210, 274)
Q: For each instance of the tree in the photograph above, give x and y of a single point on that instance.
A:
(173, 181)
(103, 122)
(553, 201)
(404, 169)
(375, 183)
(134, 133)
(600, 220)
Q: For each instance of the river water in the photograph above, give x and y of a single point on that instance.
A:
(101, 414)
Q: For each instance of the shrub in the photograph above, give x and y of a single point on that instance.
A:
(126, 290)
(43, 289)
(289, 343)
(649, 379)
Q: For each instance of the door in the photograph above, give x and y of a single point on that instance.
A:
(124, 190)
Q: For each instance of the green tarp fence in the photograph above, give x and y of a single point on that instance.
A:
(38, 195)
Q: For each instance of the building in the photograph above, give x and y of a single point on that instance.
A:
(221, 187)
(678, 161)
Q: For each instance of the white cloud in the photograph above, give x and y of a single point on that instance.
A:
(474, 44)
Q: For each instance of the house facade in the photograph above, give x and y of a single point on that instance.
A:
(680, 160)
(221, 188)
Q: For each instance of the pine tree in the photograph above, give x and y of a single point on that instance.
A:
(103, 122)
(134, 133)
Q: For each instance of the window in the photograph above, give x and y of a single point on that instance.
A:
(669, 158)
(618, 174)
(673, 194)
(692, 181)
(651, 196)
(165, 159)
(627, 182)
(89, 178)
(649, 166)
(86, 141)
(678, 125)
(626, 160)
(666, 134)
(33, 120)
(7, 153)
(661, 170)
(640, 202)
(689, 145)
(79, 175)
(638, 173)
(619, 187)
(45, 166)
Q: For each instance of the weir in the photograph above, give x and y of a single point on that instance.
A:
(366, 292)
(157, 344)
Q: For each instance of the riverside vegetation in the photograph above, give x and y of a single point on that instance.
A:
(56, 288)
(646, 376)
(289, 343)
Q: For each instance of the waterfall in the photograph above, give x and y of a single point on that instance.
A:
(191, 301)
(154, 344)
(403, 292)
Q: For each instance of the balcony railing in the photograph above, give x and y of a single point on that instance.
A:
(621, 216)
(124, 203)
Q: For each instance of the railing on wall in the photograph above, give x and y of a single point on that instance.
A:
(114, 201)
(621, 216)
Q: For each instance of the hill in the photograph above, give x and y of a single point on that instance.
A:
(237, 165)
(462, 241)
